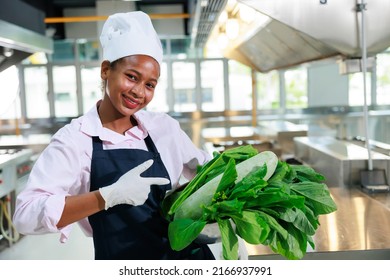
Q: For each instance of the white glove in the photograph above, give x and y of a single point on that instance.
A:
(131, 188)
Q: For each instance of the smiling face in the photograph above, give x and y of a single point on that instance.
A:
(129, 83)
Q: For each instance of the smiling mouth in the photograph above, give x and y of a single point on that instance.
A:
(130, 103)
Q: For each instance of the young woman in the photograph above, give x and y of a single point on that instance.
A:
(110, 169)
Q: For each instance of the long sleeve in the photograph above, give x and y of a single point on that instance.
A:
(56, 174)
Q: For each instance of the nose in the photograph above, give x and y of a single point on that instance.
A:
(138, 90)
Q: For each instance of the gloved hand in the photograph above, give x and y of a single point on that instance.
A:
(131, 188)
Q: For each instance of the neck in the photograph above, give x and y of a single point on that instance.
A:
(113, 120)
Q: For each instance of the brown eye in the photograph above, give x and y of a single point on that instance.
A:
(132, 77)
(149, 85)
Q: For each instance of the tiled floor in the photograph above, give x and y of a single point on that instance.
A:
(48, 247)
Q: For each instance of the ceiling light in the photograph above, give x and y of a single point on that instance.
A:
(231, 4)
(222, 40)
(247, 14)
(223, 17)
(232, 28)
(8, 52)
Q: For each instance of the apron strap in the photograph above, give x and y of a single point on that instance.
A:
(150, 145)
(97, 144)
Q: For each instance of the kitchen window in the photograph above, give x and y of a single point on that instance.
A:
(356, 89)
(296, 88)
(212, 85)
(65, 92)
(37, 92)
(268, 96)
(184, 86)
(91, 86)
(159, 102)
(10, 99)
(240, 83)
(383, 78)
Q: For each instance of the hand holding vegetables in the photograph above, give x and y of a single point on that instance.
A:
(131, 188)
(269, 202)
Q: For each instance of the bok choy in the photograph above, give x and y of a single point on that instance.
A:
(254, 196)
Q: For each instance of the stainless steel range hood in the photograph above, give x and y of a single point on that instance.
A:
(17, 43)
(301, 31)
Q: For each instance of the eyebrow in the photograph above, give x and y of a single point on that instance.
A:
(140, 74)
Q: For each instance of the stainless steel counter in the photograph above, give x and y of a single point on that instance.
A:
(341, 162)
(283, 132)
(235, 133)
(35, 142)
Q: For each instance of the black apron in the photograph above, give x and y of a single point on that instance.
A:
(133, 232)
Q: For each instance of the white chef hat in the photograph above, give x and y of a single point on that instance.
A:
(131, 33)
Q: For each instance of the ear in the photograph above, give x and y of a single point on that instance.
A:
(104, 69)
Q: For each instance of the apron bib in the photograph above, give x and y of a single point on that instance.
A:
(133, 232)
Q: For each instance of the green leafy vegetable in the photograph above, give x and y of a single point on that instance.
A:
(212, 169)
(254, 196)
(191, 206)
(317, 194)
(189, 230)
(252, 227)
(230, 240)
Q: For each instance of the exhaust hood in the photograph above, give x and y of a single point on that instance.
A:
(17, 43)
(299, 31)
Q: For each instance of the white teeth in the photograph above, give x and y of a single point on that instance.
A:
(131, 101)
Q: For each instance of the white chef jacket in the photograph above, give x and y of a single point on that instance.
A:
(63, 168)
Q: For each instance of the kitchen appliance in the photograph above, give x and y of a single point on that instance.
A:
(15, 166)
(17, 43)
(301, 31)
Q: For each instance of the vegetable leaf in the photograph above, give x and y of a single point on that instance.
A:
(250, 184)
(298, 218)
(306, 173)
(229, 240)
(222, 209)
(289, 247)
(182, 232)
(251, 227)
(318, 195)
(229, 176)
